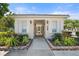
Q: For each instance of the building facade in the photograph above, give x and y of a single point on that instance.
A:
(39, 25)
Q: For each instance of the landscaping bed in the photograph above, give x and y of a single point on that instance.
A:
(52, 47)
(10, 40)
(61, 41)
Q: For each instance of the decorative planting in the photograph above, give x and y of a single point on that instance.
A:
(61, 40)
(11, 39)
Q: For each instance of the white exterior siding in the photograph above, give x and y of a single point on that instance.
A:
(24, 22)
(30, 28)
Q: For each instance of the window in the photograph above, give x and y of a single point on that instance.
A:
(24, 27)
(54, 26)
(23, 31)
(54, 30)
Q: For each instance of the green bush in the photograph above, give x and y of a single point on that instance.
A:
(20, 37)
(2, 41)
(59, 39)
(10, 41)
(77, 33)
(66, 34)
(57, 42)
(58, 36)
(68, 41)
(6, 34)
(25, 40)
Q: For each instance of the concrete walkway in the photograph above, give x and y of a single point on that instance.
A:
(39, 47)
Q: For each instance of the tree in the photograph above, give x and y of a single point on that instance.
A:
(3, 9)
(68, 24)
(73, 24)
(9, 22)
(6, 21)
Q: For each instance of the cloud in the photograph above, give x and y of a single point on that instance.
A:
(65, 10)
(24, 10)
(72, 15)
(20, 10)
(61, 12)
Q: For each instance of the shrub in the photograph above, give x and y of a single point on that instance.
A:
(11, 41)
(57, 42)
(68, 41)
(66, 34)
(2, 41)
(25, 40)
(77, 33)
(57, 36)
(6, 34)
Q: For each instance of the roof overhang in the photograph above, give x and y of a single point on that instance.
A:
(40, 15)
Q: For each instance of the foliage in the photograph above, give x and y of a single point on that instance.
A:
(57, 42)
(6, 23)
(11, 41)
(2, 41)
(9, 22)
(66, 34)
(6, 34)
(77, 33)
(68, 24)
(71, 23)
(68, 41)
(57, 36)
(25, 40)
(8, 41)
(3, 9)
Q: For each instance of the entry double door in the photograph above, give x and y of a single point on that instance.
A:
(39, 29)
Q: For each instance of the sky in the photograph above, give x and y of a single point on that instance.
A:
(71, 9)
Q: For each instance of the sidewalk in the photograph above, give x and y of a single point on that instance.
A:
(39, 47)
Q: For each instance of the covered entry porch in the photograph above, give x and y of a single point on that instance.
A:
(39, 28)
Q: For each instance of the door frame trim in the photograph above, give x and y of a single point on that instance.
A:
(40, 22)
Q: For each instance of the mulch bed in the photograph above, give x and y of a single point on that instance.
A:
(52, 47)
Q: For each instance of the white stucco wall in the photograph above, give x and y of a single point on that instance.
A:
(59, 26)
(21, 21)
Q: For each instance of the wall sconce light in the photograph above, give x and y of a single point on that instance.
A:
(47, 21)
(30, 22)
